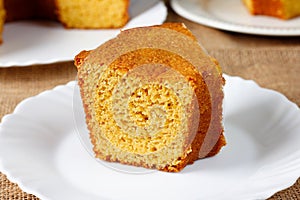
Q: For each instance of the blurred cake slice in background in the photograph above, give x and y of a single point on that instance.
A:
(283, 9)
(92, 14)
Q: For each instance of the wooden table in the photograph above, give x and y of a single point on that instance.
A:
(273, 62)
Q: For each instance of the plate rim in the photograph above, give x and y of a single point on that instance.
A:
(22, 184)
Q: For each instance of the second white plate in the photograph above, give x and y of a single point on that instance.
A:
(232, 15)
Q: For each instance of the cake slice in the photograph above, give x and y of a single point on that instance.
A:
(283, 9)
(92, 14)
(152, 98)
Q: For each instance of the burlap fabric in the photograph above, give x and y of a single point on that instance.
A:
(273, 62)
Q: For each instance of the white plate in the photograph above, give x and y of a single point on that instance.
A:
(232, 15)
(41, 151)
(40, 42)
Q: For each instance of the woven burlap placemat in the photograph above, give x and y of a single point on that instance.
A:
(272, 62)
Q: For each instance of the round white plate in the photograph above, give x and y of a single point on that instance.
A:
(232, 15)
(41, 151)
(40, 42)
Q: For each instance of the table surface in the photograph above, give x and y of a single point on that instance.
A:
(273, 62)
